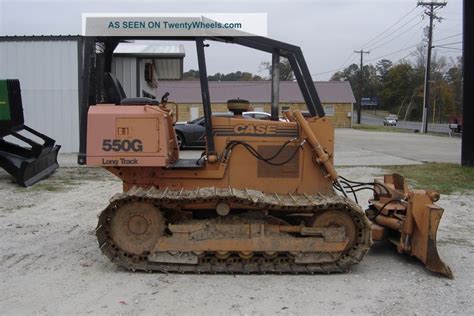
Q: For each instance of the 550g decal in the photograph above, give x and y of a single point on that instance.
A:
(126, 145)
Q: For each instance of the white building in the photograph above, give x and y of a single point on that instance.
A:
(149, 63)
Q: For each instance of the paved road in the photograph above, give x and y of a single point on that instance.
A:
(375, 120)
(356, 147)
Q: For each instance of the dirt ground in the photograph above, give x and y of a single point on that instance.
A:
(50, 264)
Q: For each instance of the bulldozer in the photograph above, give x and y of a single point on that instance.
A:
(264, 196)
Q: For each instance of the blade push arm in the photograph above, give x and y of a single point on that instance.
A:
(321, 154)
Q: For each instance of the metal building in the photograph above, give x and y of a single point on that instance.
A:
(139, 67)
(50, 75)
(47, 67)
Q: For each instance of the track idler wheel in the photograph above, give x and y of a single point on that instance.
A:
(136, 227)
(338, 218)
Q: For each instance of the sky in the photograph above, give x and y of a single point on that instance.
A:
(328, 31)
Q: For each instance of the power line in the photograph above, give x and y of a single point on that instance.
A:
(334, 70)
(406, 56)
(411, 38)
(410, 53)
(372, 59)
(448, 48)
(391, 40)
(369, 60)
(326, 72)
(444, 31)
(448, 37)
(396, 30)
(390, 27)
(447, 44)
(376, 40)
(392, 53)
(347, 59)
(452, 13)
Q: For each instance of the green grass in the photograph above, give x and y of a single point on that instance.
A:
(380, 128)
(390, 129)
(443, 177)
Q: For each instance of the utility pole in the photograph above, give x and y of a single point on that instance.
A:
(361, 81)
(430, 7)
(467, 150)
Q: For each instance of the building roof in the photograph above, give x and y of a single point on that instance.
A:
(37, 38)
(149, 50)
(254, 91)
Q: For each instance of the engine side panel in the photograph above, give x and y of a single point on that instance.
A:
(132, 136)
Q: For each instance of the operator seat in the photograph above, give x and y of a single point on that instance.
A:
(114, 93)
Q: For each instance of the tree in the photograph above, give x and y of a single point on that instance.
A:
(233, 76)
(348, 74)
(351, 74)
(398, 87)
(454, 79)
(420, 56)
(369, 77)
(191, 75)
(286, 73)
(383, 66)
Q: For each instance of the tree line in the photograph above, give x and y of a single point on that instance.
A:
(399, 87)
(285, 74)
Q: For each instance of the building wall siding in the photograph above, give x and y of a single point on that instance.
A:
(125, 69)
(169, 68)
(48, 74)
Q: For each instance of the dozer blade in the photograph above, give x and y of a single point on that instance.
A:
(409, 219)
(426, 217)
(32, 161)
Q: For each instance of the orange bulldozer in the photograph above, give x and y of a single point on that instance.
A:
(264, 196)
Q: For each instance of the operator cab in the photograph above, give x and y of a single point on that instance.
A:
(102, 87)
(114, 93)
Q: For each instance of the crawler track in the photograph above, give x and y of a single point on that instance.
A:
(250, 199)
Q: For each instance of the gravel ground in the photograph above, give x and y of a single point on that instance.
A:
(50, 264)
